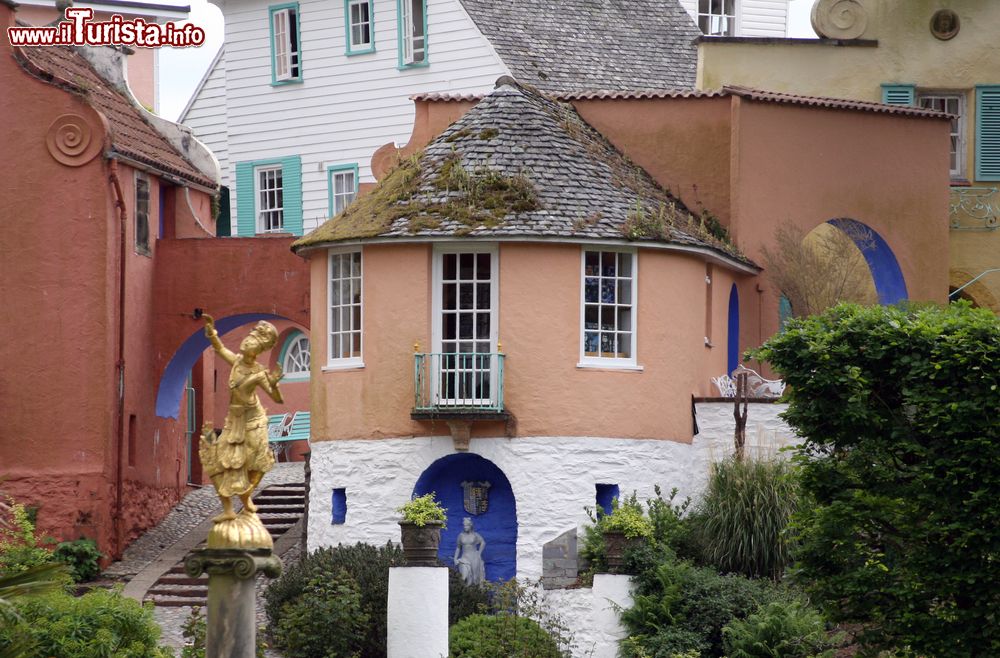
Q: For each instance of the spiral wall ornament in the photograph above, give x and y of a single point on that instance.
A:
(839, 19)
(71, 140)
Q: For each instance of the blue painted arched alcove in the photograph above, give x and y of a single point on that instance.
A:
(498, 525)
(889, 282)
(171, 388)
(733, 335)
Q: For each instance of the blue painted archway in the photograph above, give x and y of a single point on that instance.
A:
(171, 388)
(498, 525)
(733, 335)
(889, 282)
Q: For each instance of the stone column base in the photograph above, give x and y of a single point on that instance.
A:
(418, 612)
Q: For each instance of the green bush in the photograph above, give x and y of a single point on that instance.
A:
(500, 636)
(679, 607)
(422, 509)
(368, 566)
(740, 523)
(780, 630)
(627, 517)
(901, 452)
(327, 621)
(100, 624)
(81, 556)
(19, 548)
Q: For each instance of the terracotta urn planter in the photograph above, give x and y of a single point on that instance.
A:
(420, 543)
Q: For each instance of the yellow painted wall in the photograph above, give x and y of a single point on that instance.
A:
(906, 53)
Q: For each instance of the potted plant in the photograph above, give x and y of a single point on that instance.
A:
(423, 521)
(624, 526)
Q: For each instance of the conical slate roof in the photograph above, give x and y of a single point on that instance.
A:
(518, 165)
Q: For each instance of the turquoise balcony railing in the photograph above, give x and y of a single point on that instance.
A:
(458, 382)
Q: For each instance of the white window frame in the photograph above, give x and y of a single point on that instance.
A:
(731, 19)
(591, 361)
(408, 46)
(437, 278)
(961, 125)
(297, 339)
(342, 198)
(356, 48)
(259, 208)
(287, 61)
(352, 361)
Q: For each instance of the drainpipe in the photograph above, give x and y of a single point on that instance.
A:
(120, 361)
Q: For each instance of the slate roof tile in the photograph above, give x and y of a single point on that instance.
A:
(573, 45)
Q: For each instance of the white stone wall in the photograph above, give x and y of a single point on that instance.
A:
(553, 478)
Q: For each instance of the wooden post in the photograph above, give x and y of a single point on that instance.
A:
(740, 437)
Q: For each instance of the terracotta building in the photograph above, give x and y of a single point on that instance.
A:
(108, 248)
(519, 315)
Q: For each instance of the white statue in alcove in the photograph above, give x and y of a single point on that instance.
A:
(468, 558)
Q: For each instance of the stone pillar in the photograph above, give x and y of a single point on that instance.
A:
(611, 592)
(232, 601)
(418, 612)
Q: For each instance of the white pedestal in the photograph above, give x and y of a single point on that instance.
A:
(418, 612)
(611, 592)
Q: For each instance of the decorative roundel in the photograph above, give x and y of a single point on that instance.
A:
(71, 140)
(945, 24)
(839, 19)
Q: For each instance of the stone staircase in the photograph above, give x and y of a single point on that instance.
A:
(279, 507)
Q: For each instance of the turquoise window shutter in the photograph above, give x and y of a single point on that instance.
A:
(988, 133)
(899, 94)
(291, 182)
(246, 223)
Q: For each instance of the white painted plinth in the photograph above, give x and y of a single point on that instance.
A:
(418, 612)
(611, 594)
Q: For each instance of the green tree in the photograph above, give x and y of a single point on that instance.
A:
(898, 409)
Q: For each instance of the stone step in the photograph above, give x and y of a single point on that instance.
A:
(280, 500)
(177, 603)
(182, 580)
(297, 510)
(182, 592)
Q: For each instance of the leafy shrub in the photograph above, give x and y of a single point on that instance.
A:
(19, 548)
(500, 636)
(627, 517)
(780, 630)
(422, 509)
(679, 607)
(740, 522)
(99, 623)
(369, 568)
(897, 406)
(81, 556)
(327, 621)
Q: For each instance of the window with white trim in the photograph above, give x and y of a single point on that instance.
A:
(269, 199)
(608, 332)
(953, 104)
(717, 17)
(343, 188)
(345, 308)
(360, 26)
(412, 32)
(285, 43)
(296, 359)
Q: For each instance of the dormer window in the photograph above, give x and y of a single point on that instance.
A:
(285, 49)
(412, 33)
(717, 17)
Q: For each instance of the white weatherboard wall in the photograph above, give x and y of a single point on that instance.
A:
(552, 478)
(346, 107)
(206, 114)
(755, 18)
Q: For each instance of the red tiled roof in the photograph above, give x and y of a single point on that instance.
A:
(131, 135)
(763, 96)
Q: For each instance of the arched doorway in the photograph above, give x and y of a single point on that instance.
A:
(886, 273)
(497, 524)
(733, 335)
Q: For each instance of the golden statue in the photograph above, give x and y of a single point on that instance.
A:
(238, 459)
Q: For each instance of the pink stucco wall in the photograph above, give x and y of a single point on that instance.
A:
(539, 328)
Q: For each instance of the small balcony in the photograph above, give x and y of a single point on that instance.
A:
(458, 385)
(975, 208)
